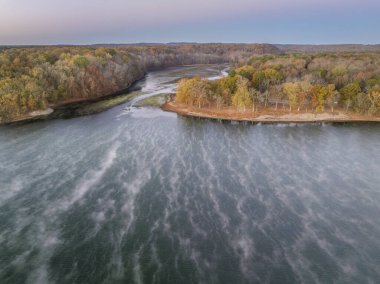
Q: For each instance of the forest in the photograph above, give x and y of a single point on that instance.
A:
(348, 81)
(35, 78)
(262, 76)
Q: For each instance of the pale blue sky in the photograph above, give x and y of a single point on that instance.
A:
(117, 21)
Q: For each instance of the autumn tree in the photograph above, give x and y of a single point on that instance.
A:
(374, 98)
(314, 96)
(229, 84)
(339, 76)
(81, 62)
(304, 93)
(255, 98)
(259, 81)
(331, 96)
(362, 103)
(276, 93)
(263, 79)
(291, 90)
(242, 99)
(245, 71)
(193, 91)
(348, 94)
(273, 76)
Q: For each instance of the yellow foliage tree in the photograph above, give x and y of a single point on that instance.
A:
(242, 99)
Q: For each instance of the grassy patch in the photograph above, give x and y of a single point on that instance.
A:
(155, 101)
(105, 104)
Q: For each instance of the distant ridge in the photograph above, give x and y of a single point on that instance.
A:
(269, 48)
(281, 47)
(215, 49)
(313, 48)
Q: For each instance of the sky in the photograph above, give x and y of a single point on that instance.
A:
(244, 21)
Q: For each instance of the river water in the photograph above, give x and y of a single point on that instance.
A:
(137, 195)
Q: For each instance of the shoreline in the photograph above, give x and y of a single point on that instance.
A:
(265, 116)
(55, 110)
(75, 103)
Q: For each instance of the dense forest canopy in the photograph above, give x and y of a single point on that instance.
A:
(349, 81)
(35, 78)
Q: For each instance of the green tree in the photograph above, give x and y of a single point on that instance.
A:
(348, 94)
(259, 81)
(81, 62)
(229, 83)
(245, 71)
(273, 76)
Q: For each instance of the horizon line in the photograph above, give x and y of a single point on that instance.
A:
(178, 43)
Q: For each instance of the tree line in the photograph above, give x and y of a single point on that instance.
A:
(299, 82)
(35, 78)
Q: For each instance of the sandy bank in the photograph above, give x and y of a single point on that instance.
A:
(265, 116)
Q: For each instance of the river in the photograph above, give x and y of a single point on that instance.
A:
(137, 195)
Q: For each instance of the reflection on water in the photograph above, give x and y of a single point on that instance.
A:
(145, 196)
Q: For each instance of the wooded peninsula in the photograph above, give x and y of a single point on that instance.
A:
(288, 87)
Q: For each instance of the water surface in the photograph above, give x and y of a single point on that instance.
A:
(137, 195)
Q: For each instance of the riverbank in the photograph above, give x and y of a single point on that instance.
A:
(80, 106)
(269, 115)
(32, 116)
(91, 105)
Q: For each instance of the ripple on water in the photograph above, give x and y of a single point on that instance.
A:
(148, 197)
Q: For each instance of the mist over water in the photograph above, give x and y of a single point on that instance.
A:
(144, 196)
